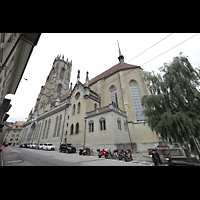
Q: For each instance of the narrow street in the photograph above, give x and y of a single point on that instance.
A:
(14, 156)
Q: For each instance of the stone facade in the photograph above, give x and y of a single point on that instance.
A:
(105, 111)
(12, 135)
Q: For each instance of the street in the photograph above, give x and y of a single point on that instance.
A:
(14, 156)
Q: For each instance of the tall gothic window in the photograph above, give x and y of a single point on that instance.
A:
(74, 109)
(79, 108)
(62, 73)
(72, 129)
(48, 128)
(54, 135)
(59, 88)
(113, 93)
(44, 129)
(58, 133)
(77, 128)
(136, 101)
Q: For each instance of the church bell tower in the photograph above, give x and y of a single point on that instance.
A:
(57, 84)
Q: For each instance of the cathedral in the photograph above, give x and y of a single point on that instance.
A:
(105, 111)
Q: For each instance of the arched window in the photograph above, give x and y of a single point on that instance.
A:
(44, 129)
(95, 106)
(136, 101)
(74, 109)
(119, 124)
(91, 126)
(59, 88)
(77, 128)
(113, 93)
(58, 133)
(54, 135)
(102, 122)
(79, 108)
(72, 129)
(62, 72)
(48, 128)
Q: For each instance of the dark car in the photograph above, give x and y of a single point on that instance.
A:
(67, 148)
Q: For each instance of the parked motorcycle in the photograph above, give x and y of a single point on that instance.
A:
(128, 156)
(169, 160)
(101, 153)
(108, 154)
(115, 153)
(155, 157)
(121, 154)
(85, 151)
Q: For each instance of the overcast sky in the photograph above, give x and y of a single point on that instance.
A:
(95, 53)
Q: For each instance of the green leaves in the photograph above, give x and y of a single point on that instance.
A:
(174, 103)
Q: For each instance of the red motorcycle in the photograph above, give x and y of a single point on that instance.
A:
(101, 153)
(128, 156)
(169, 160)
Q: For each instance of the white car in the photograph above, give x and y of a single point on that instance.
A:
(34, 145)
(48, 146)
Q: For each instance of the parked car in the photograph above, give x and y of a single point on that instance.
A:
(28, 145)
(39, 146)
(22, 145)
(34, 145)
(67, 148)
(48, 146)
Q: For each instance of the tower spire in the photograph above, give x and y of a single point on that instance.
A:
(121, 57)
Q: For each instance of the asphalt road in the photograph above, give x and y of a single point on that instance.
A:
(14, 156)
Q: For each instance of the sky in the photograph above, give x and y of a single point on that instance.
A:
(95, 53)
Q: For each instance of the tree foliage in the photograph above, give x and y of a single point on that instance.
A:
(174, 104)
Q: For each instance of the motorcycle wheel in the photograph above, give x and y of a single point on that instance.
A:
(80, 153)
(120, 157)
(126, 159)
(155, 162)
(99, 156)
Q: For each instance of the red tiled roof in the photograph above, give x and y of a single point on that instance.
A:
(19, 125)
(64, 97)
(112, 70)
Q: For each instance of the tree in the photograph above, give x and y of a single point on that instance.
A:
(173, 108)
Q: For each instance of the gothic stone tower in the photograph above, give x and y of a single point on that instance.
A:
(57, 84)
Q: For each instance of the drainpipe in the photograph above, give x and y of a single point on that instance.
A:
(129, 136)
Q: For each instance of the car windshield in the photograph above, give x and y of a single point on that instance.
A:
(50, 144)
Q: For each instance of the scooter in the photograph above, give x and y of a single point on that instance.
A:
(101, 153)
(169, 160)
(155, 157)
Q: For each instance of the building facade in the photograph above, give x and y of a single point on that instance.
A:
(12, 135)
(105, 111)
(15, 51)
